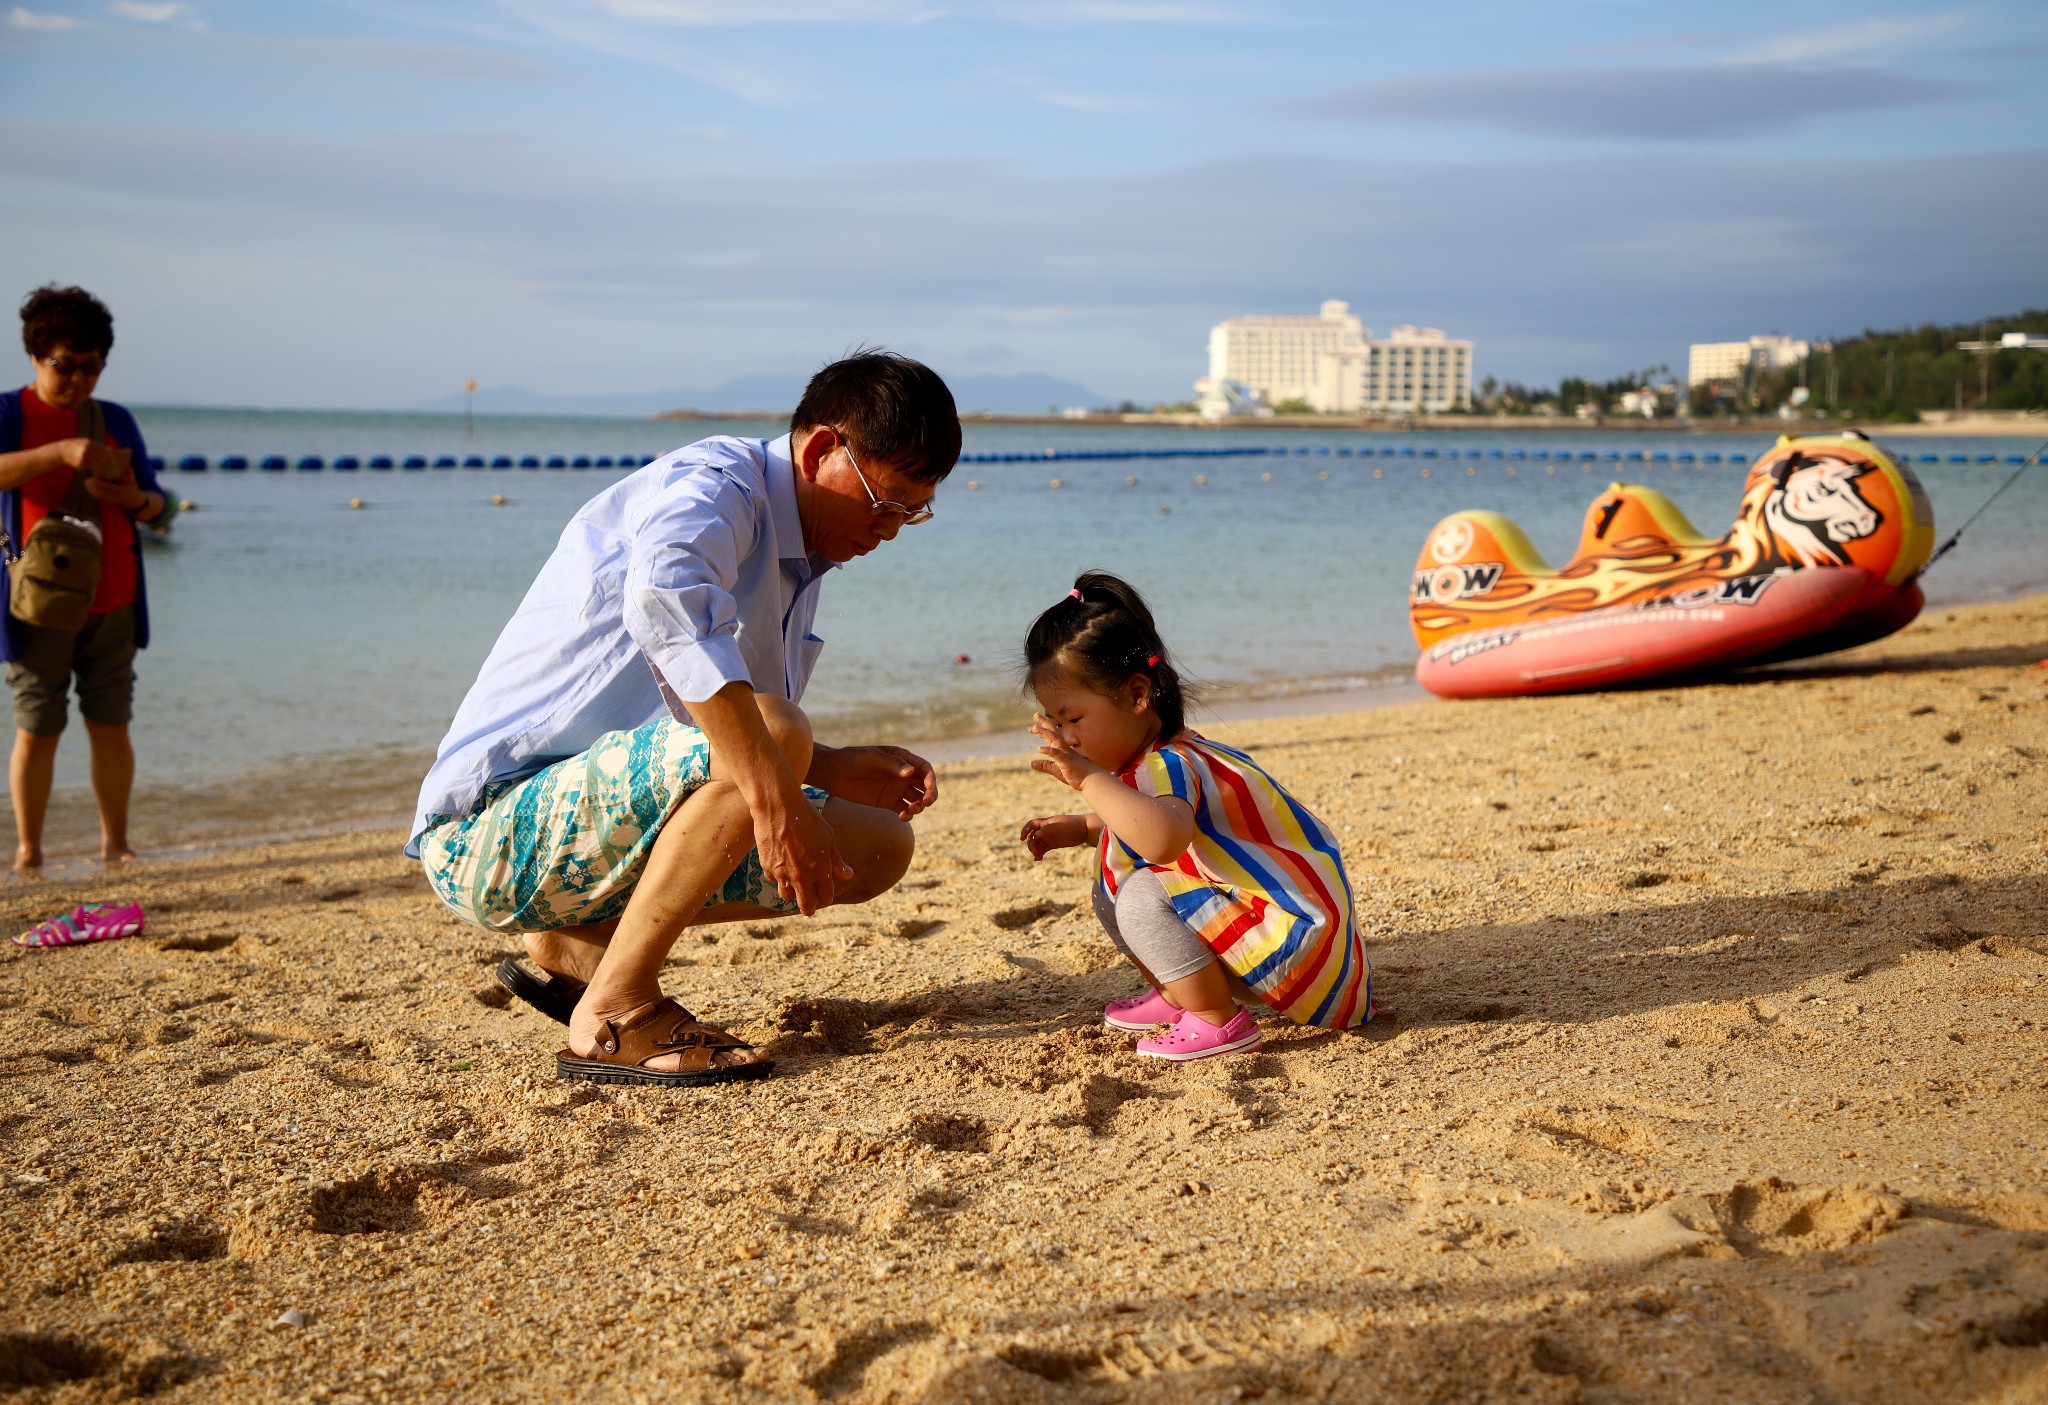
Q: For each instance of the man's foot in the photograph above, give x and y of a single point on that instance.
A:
(570, 953)
(657, 1042)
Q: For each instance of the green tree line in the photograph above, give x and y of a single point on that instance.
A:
(1895, 375)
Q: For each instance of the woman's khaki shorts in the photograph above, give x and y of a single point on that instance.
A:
(101, 657)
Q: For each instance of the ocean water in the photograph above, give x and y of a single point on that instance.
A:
(300, 644)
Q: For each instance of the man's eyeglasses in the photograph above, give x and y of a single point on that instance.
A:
(76, 365)
(911, 515)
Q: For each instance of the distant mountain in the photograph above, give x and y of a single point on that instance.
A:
(774, 395)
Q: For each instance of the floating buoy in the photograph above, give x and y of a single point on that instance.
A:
(1550, 468)
(187, 505)
(1055, 483)
(1165, 511)
(1425, 473)
(1130, 482)
(1324, 476)
(355, 502)
(1471, 473)
(1201, 480)
(960, 660)
(1379, 473)
(974, 485)
(1267, 477)
(497, 500)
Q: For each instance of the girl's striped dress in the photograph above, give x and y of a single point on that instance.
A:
(1262, 883)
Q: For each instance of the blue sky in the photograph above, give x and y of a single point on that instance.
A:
(361, 202)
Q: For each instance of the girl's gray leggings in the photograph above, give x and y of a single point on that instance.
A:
(1141, 921)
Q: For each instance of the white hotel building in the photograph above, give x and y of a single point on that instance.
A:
(1713, 361)
(1333, 363)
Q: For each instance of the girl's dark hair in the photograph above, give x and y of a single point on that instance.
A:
(1103, 633)
(52, 317)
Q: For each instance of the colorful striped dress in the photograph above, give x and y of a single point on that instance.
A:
(1262, 883)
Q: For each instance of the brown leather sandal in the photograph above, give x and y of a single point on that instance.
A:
(662, 1027)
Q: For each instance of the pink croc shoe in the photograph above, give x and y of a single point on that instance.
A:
(94, 922)
(1193, 1037)
(1141, 1014)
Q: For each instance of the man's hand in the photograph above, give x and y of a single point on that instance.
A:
(799, 855)
(93, 457)
(885, 777)
(1063, 764)
(1048, 832)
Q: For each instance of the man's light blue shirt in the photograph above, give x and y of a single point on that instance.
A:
(695, 565)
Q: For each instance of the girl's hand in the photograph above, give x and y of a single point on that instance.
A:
(1062, 763)
(1048, 832)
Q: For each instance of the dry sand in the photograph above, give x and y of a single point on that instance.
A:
(1709, 1067)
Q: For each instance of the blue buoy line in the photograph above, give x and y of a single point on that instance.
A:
(384, 463)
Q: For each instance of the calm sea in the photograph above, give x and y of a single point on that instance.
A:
(305, 651)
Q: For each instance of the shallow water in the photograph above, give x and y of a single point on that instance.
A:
(298, 640)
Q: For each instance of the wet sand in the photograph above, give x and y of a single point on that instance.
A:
(1709, 1066)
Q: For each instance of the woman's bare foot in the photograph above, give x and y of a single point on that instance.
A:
(27, 857)
(117, 853)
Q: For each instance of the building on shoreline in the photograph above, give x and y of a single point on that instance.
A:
(1725, 361)
(1332, 363)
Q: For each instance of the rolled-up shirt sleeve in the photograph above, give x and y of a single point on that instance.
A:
(680, 578)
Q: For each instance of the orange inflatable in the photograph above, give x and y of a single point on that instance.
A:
(1816, 503)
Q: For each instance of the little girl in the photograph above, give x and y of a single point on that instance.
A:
(1212, 879)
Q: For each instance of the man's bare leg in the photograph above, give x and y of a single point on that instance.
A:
(699, 846)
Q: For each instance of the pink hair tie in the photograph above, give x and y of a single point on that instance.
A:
(1074, 594)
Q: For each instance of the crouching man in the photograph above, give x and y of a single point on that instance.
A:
(632, 759)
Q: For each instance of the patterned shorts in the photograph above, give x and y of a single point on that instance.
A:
(565, 847)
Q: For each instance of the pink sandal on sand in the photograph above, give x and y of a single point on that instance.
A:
(1193, 1037)
(94, 922)
(1140, 1014)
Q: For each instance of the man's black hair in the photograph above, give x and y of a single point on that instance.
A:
(70, 317)
(895, 410)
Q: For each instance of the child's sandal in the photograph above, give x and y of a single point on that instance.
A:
(1141, 1014)
(1193, 1037)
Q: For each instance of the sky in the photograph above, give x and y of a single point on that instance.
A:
(359, 203)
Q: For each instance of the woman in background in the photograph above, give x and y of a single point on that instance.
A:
(68, 333)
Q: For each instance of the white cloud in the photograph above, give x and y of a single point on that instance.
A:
(1707, 102)
(163, 13)
(1865, 39)
(19, 18)
(732, 13)
(1095, 104)
(1046, 13)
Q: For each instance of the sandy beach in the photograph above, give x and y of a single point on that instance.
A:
(1709, 1066)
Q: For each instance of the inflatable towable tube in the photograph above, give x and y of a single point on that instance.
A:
(1645, 595)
